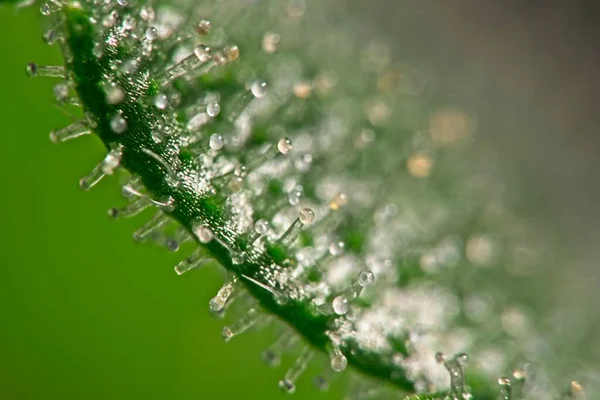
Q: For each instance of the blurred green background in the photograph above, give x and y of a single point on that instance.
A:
(84, 312)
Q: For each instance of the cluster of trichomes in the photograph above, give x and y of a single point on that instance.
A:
(335, 202)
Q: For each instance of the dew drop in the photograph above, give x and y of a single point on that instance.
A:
(307, 216)
(114, 94)
(213, 108)
(340, 305)
(259, 89)
(366, 278)
(161, 101)
(118, 124)
(216, 141)
(284, 145)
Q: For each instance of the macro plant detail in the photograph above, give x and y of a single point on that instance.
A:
(274, 162)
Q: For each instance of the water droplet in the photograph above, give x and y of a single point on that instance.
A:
(340, 305)
(337, 248)
(366, 278)
(161, 101)
(307, 216)
(213, 108)
(118, 124)
(151, 34)
(216, 141)
(284, 145)
(259, 89)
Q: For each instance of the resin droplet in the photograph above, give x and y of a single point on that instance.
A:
(366, 278)
(106, 167)
(284, 145)
(72, 131)
(161, 101)
(272, 355)
(150, 227)
(259, 89)
(340, 305)
(261, 227)
(338, 201)
(203, 27)
(193, 261)
(288, 383)
(213, 109)
(455, 367)
(204, 234)
(337, 248)
(151, 34)
(217, 303)
(242, 325)
(118, 124)
(338, 360)
(216, 141)
(131, 209)
(53, 71)
(305, 217)
(505, 388)
(114, 94)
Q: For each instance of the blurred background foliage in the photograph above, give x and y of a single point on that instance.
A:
(86, 314)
